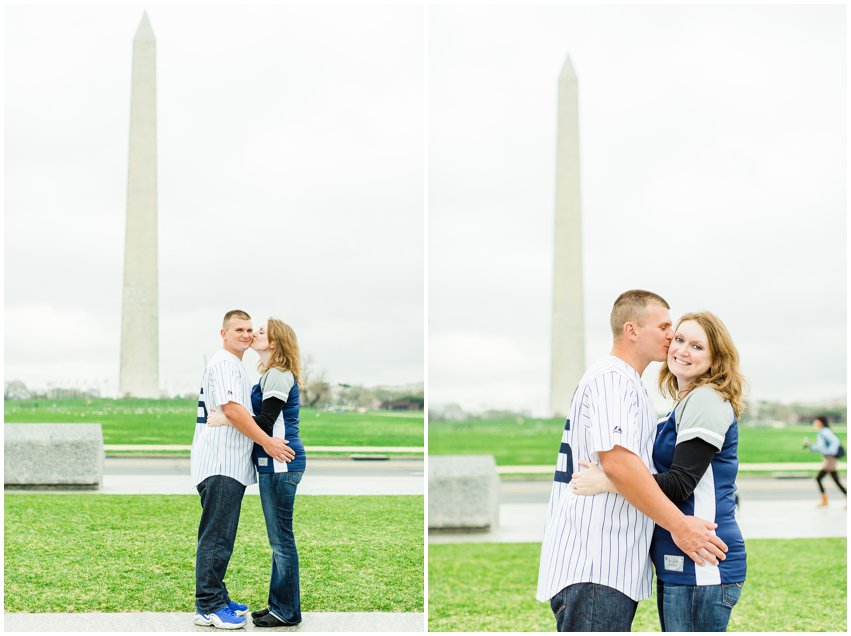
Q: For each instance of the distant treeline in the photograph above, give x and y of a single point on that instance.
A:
(316, 393)
(758, 413)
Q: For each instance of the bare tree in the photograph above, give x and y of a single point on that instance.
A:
(315, 389)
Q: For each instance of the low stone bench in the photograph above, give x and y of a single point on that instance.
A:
(53, 455)
(463, 492)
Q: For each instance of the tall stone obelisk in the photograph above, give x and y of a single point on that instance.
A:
(568, 325)
(140, 313)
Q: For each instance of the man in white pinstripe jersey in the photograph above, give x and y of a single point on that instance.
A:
(595, 563)
(222, 468)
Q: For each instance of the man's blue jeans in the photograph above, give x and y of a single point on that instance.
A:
(277, 495)
(591, 607)
(221, 500)
(689, 608)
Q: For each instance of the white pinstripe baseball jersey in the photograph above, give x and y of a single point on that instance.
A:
(601, 539)
(222, 450)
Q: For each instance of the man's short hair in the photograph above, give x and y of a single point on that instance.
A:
(630, 305)
(234, 313)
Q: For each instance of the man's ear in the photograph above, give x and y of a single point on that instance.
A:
(222, 333)
(629, 331)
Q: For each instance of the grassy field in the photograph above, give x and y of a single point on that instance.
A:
(792, 585)
(173, 422)
(108, 553)
(535, 441)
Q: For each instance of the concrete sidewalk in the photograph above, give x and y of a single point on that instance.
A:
(310, 485)
(171, 476)
(182, 622)
(760, 519)
(537, 469)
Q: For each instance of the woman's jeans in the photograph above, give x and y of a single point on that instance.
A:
(277, 495)
(689, 608)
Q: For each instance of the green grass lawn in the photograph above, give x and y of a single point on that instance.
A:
(792, 585)
(173, 422)
(518, 442)
(325, 454)
(110, 553)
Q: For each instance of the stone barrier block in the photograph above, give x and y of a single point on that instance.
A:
(50, 455)
(463, 492)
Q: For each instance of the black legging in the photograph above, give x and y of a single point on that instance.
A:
(833, 474)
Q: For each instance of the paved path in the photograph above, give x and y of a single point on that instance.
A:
(751, 487)
(182, 622)
(170, 476)
(538, 469)
(770, 509)
(524, 523)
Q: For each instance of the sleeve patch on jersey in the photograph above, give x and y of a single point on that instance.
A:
(674, 563)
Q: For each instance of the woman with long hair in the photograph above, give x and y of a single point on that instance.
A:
(275, 400)
(696, 456)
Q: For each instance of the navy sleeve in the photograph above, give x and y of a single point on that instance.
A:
(269, 411)
(691, 459)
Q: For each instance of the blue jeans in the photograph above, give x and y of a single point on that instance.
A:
(277, 495)
(591, 607)
(692, 608)
(221, 501)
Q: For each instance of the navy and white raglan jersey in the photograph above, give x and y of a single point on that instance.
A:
(282, 385)
(222, 450)
(601, 539)
(706, 415)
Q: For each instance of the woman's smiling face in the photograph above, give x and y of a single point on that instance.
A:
(689, 356)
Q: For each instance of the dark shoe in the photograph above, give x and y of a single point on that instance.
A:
(268, 620)
(260, 613)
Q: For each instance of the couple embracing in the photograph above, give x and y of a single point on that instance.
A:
(664, 492)
(241, 432)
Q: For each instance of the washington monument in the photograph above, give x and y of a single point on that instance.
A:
(140, 314)
(568, 326)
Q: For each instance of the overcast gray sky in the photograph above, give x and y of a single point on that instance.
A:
(713, 172)
(291, 182)
(291, 173)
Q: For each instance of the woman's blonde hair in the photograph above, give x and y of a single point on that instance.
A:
(284, 346)
(723, 374)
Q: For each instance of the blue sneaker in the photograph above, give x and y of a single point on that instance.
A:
(238, 608)
(225, 618)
